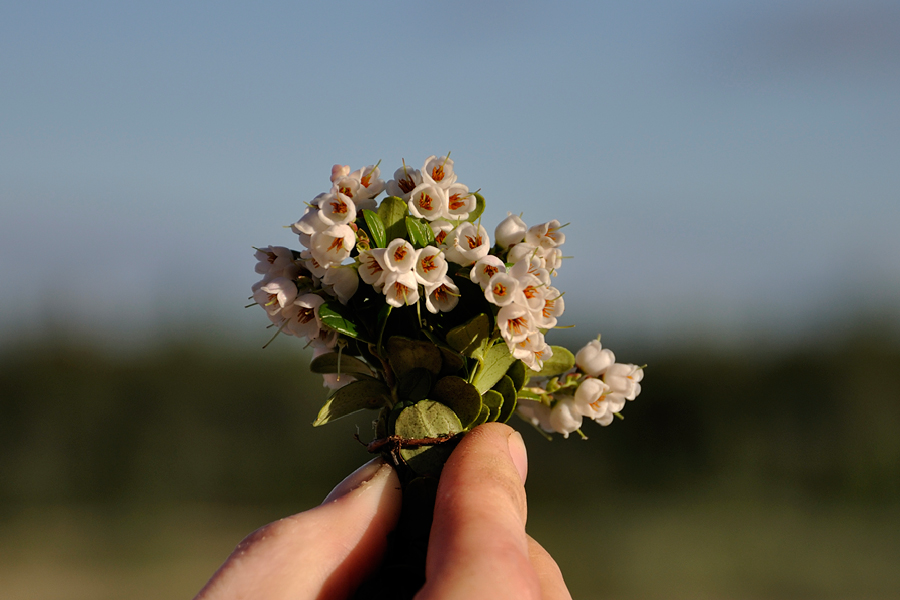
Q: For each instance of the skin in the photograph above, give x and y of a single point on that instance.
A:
(478, 546)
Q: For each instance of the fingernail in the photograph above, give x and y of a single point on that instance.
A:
(518, 453)
(356, 479)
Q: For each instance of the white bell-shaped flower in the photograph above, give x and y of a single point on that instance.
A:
(371, 185)
(515, 323)
(536, 413)
(401, 289)
(342, 282)
(485, 268)
(337, 209)
(431, 266)
(405, 181)
(442, 297)
(372, 267)
(460, 202)
(439, 170)
(564, 416)
(624, 380)
(466, 244)
(502, 289)
(428, 201)
(546, 235)
(511, 230)
(553, 308)
(302, 317)
(594, 359)
(332, 246)
(400, 256)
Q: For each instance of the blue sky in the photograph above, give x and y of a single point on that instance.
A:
(727, 166)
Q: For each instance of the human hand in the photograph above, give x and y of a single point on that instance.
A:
(478, 547)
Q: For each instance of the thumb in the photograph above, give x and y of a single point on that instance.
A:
(324, 552)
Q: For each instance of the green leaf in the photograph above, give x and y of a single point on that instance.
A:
(482, 417)
(468, 338)
(336, 316)
(516, 372)
(366, 393)
(561, 361)
(507, 389)
(426, 419)
(459, 395)
(393, 211)
(497, 361)
(494, 401)
(453, 362)
(376, 227)
(335, 363)
(414, 385)
(417, 232)
(479, 208)
(405, 354)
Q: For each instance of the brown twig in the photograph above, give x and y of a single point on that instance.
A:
(395, 442)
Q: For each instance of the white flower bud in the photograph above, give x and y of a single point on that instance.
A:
(511, 230)
(593, 359)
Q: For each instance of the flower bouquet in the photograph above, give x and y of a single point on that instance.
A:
(413, 313)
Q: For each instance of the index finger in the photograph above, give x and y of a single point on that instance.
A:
(478, 547)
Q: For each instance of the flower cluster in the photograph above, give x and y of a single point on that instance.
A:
(424, 245)
(596, 388)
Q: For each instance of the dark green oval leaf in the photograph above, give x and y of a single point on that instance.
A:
(366, 393)
(414, 385)
(508, 390)
(336, 316)
(338, 363)
(405, 354)
(459, 395)
(468, 338)
(494, 401)
(516, 372)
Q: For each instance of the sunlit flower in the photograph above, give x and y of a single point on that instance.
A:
(460, 202)
(372, 267)
(405, 181)
(400, 256)
(511, 230)
(337, 209)
(624, 380)
(546, 235)
(515, 323)
(401, 288)
(431, 266)
(466, 244)
(565, 417)
(439, 170)
(485, 268)
(428, 201)
(442, 297)
(502, 289)
(594, 359)
(332, 246)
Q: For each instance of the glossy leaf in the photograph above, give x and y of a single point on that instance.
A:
(335, 363)
(405, 354)
(479, 208)
(417, 232)
(335, 315)
(497, 361)
(508, 390)
(393, 211)
(468, 338)
(366, 393)
(376, 227)
(516, 373)
(494, 401)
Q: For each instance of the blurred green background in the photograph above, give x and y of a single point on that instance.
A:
(759, 471)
